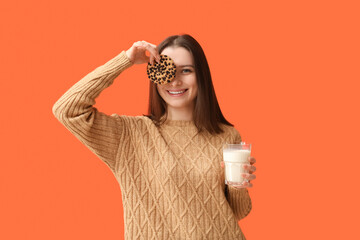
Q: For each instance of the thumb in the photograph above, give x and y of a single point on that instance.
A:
(148, 59)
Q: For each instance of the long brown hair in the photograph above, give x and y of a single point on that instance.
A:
(207, 114)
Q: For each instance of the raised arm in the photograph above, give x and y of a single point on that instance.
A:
(99, 132)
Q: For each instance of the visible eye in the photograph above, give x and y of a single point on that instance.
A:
(186, 70)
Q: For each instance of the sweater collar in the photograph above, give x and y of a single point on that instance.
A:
(179, 123)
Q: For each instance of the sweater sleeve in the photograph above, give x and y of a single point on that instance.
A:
(239, 201)
(99, 132)
(238, 198)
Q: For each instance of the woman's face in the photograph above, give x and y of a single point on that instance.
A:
(181, 92)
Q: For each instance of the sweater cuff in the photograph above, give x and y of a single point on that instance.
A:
(115, 65)
(236, 193)
(118, 63)
(239, 200)
(128, 61)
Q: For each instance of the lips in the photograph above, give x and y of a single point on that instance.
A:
(177, 92)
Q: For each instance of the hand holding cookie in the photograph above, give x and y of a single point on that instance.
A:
(161, 69)
(136, 53)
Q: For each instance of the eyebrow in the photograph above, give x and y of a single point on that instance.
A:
(186, 66)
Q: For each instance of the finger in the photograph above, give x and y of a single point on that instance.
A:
(152, 50)
(222, 164)
(249, 168)
(252, 160)
(151, 59)
(157, 55)
(138, 45)
(147, 59)
(156, 58)
(249, 176)
(247, 184)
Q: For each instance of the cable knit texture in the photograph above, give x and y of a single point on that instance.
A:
(170, 176)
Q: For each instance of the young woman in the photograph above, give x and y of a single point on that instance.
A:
(168, 164)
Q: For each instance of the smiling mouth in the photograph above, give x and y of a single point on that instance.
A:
(177, 93)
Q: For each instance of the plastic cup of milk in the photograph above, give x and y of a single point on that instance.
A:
(235, 156)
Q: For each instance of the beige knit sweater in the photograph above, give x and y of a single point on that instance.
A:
(170, 176)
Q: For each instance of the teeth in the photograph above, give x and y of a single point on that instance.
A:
(176, 92)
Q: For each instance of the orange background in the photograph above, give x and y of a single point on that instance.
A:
(286, 73)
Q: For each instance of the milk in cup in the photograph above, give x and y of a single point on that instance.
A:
(235, 155)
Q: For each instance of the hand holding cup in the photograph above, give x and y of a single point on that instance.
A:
(238, 165)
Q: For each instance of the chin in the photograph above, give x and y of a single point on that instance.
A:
(177, 106)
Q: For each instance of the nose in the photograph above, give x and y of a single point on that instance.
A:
(176, 81)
